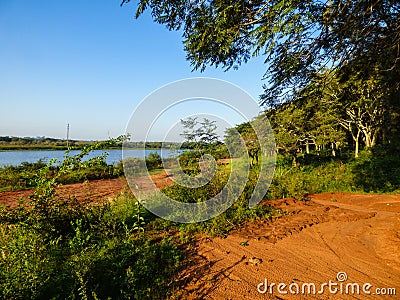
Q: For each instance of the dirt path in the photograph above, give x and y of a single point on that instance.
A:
(331, 233)
(92, 191)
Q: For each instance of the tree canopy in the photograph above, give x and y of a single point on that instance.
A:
(199, 133)
(298, 38)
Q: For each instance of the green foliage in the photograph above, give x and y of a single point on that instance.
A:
(182, 193)
(243, 138)
(233, 217)
(375, 170)
(356, 110)
(378, 169)
(42, 142)
(21, 177)
(318, 176)
(58, 249)
(133, 166)
(189, 162)
(153, 161)
(298, 39)
(200, 135)
(85, 265)
(306, 125)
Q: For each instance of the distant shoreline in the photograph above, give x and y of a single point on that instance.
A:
(61, 148)
(44, 148)
(8, 143)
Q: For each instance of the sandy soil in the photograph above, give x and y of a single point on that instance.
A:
(90, 191)
(312, 243)
(317, 239)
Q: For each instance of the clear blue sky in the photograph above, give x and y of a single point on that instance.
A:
(88, 63)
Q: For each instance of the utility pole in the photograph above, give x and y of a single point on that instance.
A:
(67, 135)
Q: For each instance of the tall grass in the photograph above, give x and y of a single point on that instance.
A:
(298, 182)
(98, 253)
(376, 170)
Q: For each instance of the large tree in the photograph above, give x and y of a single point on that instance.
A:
(305, 125)
(364, 104)
(199, 134)
(298, 38)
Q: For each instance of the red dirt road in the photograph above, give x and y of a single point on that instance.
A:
(331, 233)
(92, 191)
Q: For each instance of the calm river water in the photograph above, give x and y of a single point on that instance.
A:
(15, 158)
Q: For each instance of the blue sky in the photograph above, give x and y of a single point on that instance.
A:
(88, 63)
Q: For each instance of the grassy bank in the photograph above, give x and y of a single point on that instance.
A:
(13, 178)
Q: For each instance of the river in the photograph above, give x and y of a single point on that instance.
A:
(16, 157)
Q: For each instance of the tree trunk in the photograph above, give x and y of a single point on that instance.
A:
(357, 138)
(294, 161)
(368, 142)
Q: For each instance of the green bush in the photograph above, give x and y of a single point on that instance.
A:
(84, 265)
(375, 170)
(189, 162)
(58, 249)
(153, 161)
(133, 166)
(20, 177)
(378, 169)
(232, 218)
(298, 182)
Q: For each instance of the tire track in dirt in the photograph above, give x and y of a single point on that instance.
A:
(311, 243)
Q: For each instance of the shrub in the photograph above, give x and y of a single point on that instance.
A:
(153, 161)
(324, 176)
(233, 217)
(378, 169)
(56, 249)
